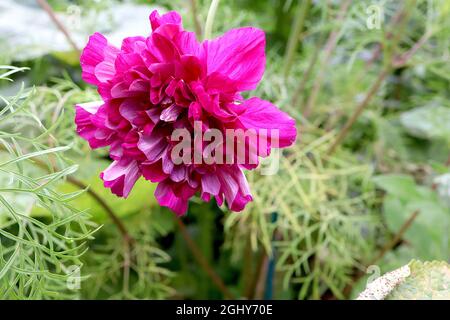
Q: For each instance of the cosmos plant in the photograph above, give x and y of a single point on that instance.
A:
(153, 86)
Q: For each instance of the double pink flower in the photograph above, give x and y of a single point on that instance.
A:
(166, 81)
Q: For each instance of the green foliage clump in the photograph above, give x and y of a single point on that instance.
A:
(43, 234)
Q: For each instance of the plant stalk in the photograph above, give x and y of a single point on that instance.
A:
(51, 13)
(294, 37)
(195, 18)
(328, 51)
(203, 262)
(210, 18)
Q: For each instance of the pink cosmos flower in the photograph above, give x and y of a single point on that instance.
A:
(154, 85)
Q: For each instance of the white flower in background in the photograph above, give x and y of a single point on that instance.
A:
(442, 183)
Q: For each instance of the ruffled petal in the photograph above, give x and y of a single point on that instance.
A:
(238, 54)
(169, 24)
(165, 81)
(133, 44)
(167, 198)
(210, 186)
(90, 121)
(121, 176)
(162, 49)
(234, 187)
(153, 171)
(153, 146)
(187, 43)
(97, 60)
(272, 125)
(156, 20)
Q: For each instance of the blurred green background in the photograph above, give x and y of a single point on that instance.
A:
(377, 194)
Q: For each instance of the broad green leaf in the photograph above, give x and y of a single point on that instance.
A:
(401, 186)
(427, 122)
(428, 232)
(415, 281)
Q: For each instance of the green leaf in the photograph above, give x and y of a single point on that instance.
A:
(401, 186)
(415, 281)
(428, 232)
(427, 122)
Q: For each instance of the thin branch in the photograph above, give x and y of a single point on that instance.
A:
(195, 18)
(396, 19)
(329, 48)
(109, 211)
(203, 262)
(294, 37)
(255, 276)
(359, 109)
(306, 75)
(404, 58)
(47, 8)
(396, 62)
(397, 238)
(262, 275)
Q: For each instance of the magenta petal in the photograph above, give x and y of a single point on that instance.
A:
(260, 114)
(162, 48)
(104, 71)
(152, 146)
(244, 195)
(167, 198)
(167, 164)
(166, 81)
(235, 187)
(121, 176)
(157, 20)
(90, 107)
(238, 54)
(97, 60)
(171, 113)
(91, 124)
(187, 43)
(129, 109)
(210, 184)
(179, 173)
(153, 171)
(133, 44)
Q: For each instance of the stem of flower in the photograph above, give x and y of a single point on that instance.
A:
(294, 37)
(210, 18)
(202, 261)
(359, 109)
(328, 51)
(47, 8)
(194, 11)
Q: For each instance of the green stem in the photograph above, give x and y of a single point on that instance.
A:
(210, 18)
(197, 25)
(294, 37)
(51, 13)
